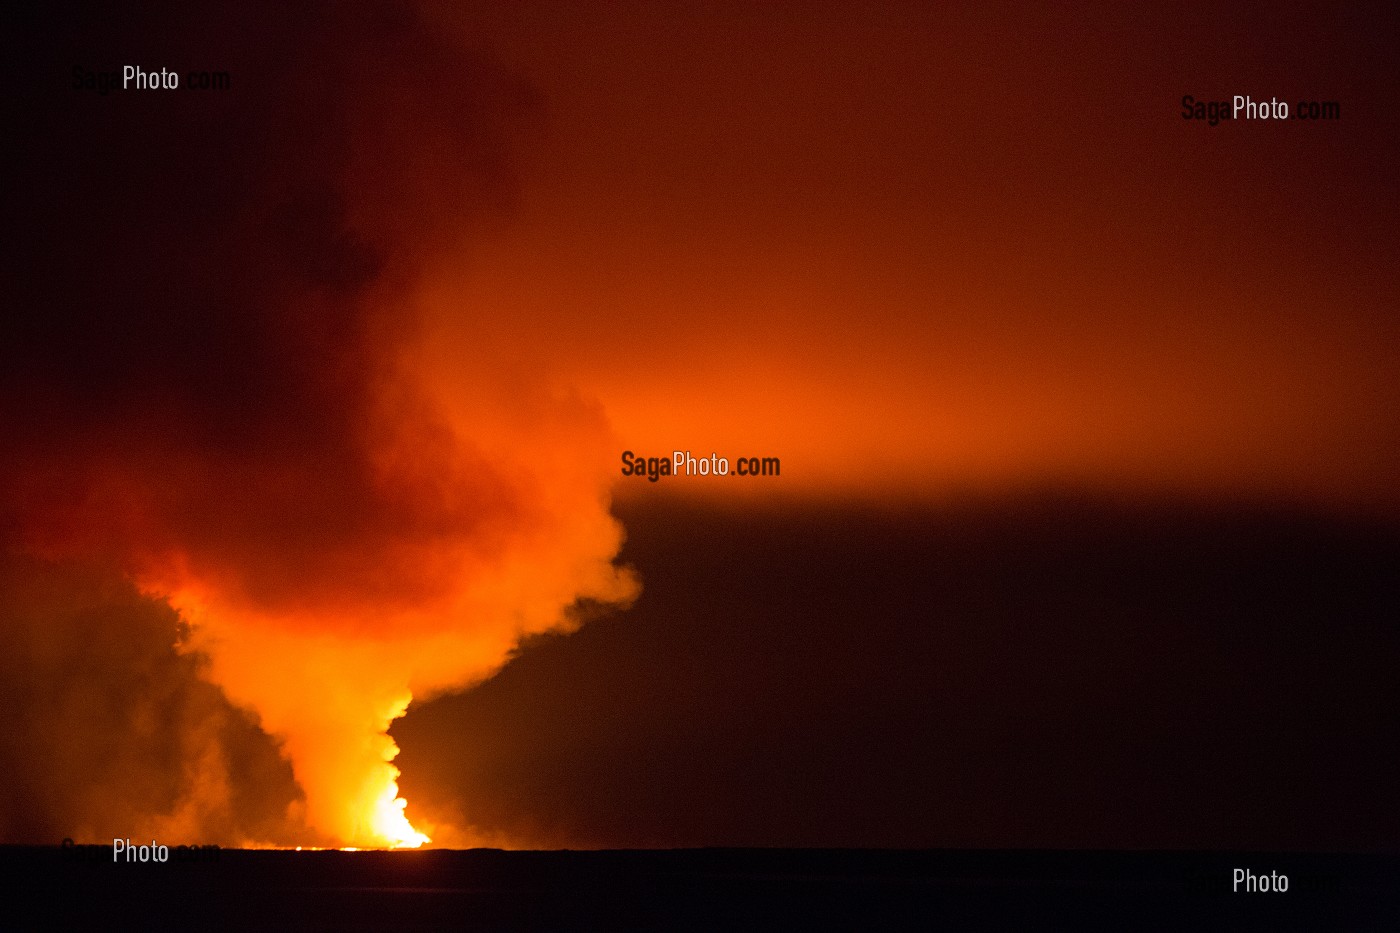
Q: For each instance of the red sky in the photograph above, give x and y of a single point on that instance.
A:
(950, 249)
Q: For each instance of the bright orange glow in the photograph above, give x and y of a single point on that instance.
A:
(390, 823)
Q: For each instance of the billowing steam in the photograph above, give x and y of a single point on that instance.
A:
(214, 383)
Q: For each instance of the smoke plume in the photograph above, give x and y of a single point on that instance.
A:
(212, 381)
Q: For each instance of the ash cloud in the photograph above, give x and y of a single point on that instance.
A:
(209, 383)
(208, 281)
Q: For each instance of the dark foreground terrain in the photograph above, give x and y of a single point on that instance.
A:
(697, 889)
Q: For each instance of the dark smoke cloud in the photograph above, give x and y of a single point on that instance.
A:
(1049, 670)
(110, 732)
(212, 282)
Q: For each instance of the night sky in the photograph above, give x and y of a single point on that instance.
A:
(314, 392)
